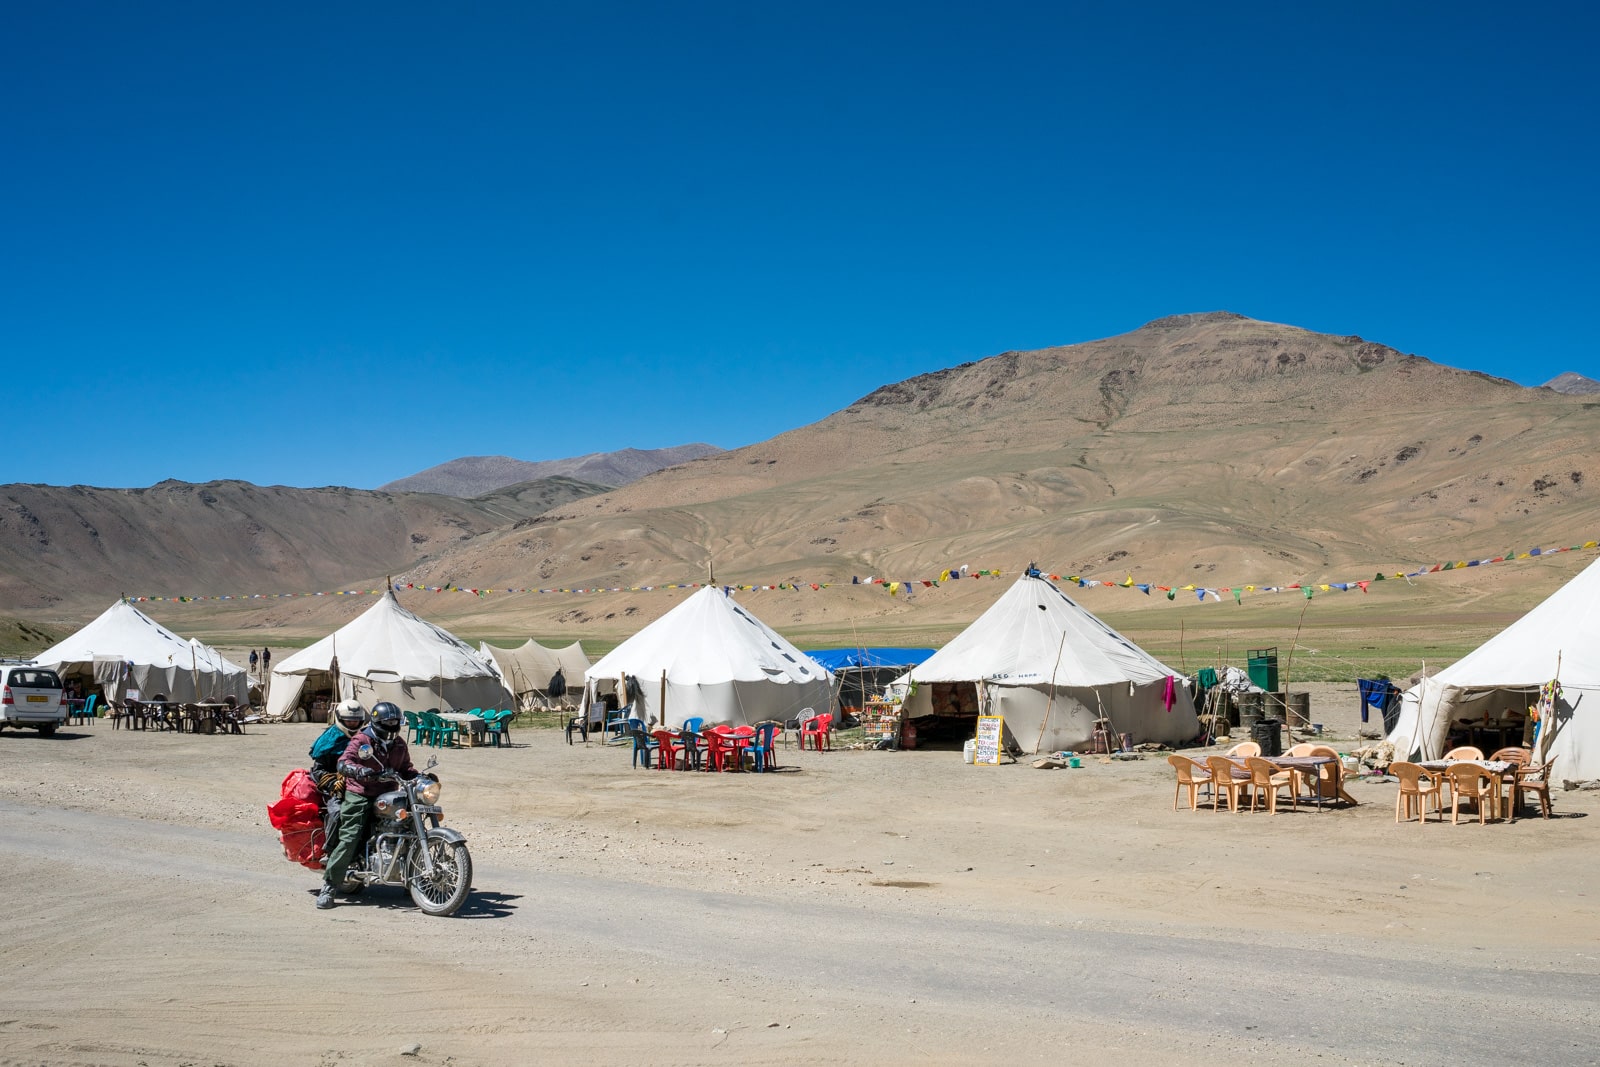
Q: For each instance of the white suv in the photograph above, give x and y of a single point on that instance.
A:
(31, 696)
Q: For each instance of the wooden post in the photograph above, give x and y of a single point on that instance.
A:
(661, 712)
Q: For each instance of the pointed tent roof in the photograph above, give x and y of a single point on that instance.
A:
(1562, 630)
(1567, 623)
(1034, 634)
(709, 639)
(123, 632)
(387, 638)
(209, 659)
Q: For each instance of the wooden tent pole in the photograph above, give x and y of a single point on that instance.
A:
(1050, 703)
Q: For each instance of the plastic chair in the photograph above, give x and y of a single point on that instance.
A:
(666, 748)
(765, 745)
(1224, 780)
(1533, 780)
(694, 725)
(1245, 748)
(496, 726)
(691, 751)
(820, 730)
(643, 745)
(616, 719)
(1464, 752)
(1266, 778)
(718, 749)
(1191, 775)
(446, 734)
(1468, 781)
(1302, 749)
(413, 727)
(1416, 786)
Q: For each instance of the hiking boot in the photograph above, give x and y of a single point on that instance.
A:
(325, 898)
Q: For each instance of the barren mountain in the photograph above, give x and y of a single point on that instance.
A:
(1196, 444)
(1207, 449)
(1573, 384)
(77, 546)
(473, 476)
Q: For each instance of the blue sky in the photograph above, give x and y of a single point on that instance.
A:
(337, 244)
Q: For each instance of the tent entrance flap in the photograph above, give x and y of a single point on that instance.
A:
(950, 718)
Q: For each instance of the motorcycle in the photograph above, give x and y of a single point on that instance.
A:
(407, 846)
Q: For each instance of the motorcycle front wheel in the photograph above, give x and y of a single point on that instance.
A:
(445, 890)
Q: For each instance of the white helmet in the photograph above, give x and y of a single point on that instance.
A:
(350, 715)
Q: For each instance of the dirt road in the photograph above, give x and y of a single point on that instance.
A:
(854, 907)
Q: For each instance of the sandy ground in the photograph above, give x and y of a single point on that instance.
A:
(853, 907)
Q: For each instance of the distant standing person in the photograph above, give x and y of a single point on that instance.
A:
(254, 659)
(266, 660)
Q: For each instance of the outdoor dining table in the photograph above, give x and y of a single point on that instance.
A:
(472, 726)
(216, 713)
(1503, 772)
(1310, 767)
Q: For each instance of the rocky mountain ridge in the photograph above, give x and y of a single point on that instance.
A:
(472, 476)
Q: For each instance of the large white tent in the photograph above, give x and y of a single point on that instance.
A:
(1557, 641)
(387, 653)
(1051, 668)
(527, 669)
(125, 649)
(712, 659)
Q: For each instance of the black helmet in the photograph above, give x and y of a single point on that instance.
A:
(351, 716)
(386, 719)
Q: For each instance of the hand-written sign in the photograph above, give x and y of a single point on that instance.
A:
(990, 729)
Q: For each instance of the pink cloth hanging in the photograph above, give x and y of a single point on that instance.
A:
(1169, 695)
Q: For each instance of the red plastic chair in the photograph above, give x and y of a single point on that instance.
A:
(666, 749)
(744, 742)
(718, 748)
(820, 730)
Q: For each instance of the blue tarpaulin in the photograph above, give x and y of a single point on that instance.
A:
(838, 659)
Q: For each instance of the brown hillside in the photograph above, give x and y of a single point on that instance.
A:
(73, 548)
(1196, 444)
(1211, 449)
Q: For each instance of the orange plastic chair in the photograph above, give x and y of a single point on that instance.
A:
(1416, 786)
(1266, 779)
(1464, 752)
(1470, 782)
(1534, 780)
(1302, 749)
(1190, 774)
(1223, 781)
(1245, 748)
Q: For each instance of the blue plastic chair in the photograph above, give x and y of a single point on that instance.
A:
(766, 744)
(694, 726)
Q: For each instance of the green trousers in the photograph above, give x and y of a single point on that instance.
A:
(353, 819)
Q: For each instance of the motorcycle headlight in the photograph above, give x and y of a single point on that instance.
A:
(429, 793)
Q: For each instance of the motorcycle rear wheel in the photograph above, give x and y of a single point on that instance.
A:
(443, 892)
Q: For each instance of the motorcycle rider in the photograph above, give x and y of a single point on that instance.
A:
(348, 717)
(364, 776)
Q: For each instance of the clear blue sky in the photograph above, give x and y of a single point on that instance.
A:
(336, 244)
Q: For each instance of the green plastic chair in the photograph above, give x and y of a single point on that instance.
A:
(413, 727)
(497, 726)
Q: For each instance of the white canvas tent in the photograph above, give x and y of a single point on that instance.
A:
(1505, 673)
(1052, 668)
(712, 659)
(126, 649)
(527, 669)
(387, 653)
